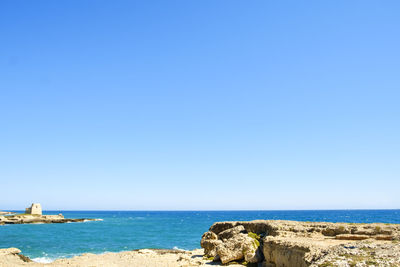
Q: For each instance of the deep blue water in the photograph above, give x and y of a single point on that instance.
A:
(128, 230)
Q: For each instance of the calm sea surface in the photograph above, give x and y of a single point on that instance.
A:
(128, 230)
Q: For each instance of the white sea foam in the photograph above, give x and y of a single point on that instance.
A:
(43, 260)
(94, 220)
(46, 259)
(176, 248)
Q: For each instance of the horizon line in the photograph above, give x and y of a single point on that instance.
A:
(155, 210)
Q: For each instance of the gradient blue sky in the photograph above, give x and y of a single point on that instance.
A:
(200, 104)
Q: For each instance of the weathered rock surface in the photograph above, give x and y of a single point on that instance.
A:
(291, 243)
(229, 233)
(239, 247)
(11, 257)
(210, 242)
(29, 218)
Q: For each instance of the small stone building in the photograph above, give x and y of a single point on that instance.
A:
(35, 209)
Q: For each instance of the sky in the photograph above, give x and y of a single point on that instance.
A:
(199, 105)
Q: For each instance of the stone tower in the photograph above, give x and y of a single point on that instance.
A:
(35, 209)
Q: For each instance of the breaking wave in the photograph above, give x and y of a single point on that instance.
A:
(43, 260)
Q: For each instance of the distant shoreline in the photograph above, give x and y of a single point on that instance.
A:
(233, 210)
(13, 218)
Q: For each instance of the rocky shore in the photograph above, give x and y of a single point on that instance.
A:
(258, 243)
(137, 258)
(31, 218)
(290, 243)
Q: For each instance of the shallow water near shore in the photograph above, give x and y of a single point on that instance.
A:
(128, 230)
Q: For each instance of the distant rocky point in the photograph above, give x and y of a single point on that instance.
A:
(33, 214)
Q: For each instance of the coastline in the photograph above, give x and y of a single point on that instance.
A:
(142, 257)
(266, 243)
(39, 219)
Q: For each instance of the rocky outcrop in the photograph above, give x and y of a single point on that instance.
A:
(29, 218)
(291, 243)
(210, 242)
(12, 257)
(231, 244)
(237, 244)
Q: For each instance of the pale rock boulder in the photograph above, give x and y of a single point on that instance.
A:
(229, 233)
(238, 247)
(10, 251)
(219, 227)
(286, 252)
(231, 244)
(209, 242)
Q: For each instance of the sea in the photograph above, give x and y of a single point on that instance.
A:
(129, 230)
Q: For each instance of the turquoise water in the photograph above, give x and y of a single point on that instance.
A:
(128, 230)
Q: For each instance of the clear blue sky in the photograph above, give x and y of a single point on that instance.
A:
(200, 104)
